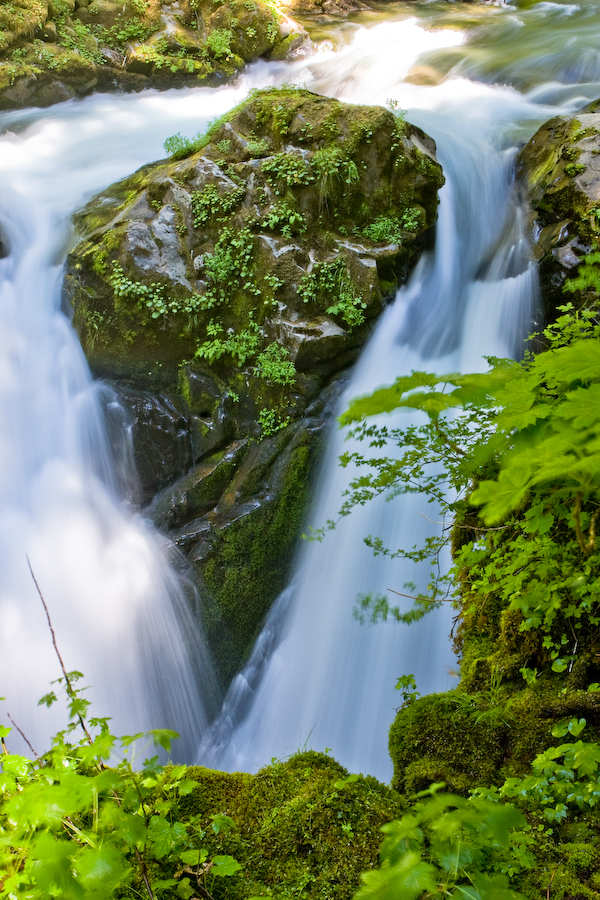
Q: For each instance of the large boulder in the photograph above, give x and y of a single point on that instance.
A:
(225, 294)
(560, 168)
(67, 48)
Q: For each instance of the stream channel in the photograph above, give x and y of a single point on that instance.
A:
(123, 611)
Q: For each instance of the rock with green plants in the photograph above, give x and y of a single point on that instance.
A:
(560, 170)
(225, 291)
(50, 52)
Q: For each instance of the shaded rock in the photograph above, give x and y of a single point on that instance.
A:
(560, 168)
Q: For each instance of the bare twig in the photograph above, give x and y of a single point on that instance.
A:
(586, 544)
(4, 748)
(69, 687)
(424, 599)
(25, 739)
(72, 693)
(550, 885)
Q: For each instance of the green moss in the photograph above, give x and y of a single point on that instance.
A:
(301, 827)
(436, 739)
(250, 563)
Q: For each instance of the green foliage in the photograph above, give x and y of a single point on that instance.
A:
(331, 164)
(230, 266)
(447, 846)
(329, 285)
(152, 299)
(285, 218)
(525, 435)
(563, 777)
(74, 827)
(271, 421)
(286, 170)
(211, 203)
(179, 147)
(240, 346)
(219, 43)
(392, 229)
(275, 365)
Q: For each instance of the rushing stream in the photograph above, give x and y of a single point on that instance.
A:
(122, 613)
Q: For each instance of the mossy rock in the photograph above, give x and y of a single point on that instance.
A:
(438, 738)
(300, 827)
(239, 281)
(132, 45)
(560, 169)
(19, 20)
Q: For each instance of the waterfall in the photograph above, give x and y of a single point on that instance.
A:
(121, 608)
(318, 678)
(122, 614)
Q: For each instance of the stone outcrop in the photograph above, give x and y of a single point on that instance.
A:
(51, 52)
(560, 168)
(225, 293)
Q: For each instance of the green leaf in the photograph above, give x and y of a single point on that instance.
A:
(222, 823)
(162, 737)
(224, 866)
(576, 727)
(184, 889)
(190, 857)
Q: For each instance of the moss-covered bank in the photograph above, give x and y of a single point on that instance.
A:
(53, 51)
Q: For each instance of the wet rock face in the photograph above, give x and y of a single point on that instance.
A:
(560, 167)
(53, 52)
(226, 293)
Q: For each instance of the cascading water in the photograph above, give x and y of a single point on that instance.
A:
(118, 607)
(317, 677)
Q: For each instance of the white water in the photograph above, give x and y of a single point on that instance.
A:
(119, 611)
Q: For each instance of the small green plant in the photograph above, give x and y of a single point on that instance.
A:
(224, 146)
(286, 170)
(180, 147)
(257, 148)
(274, 365)
(283, 217)
(211, 203)
(331, 164)
(230, 266)
(271, 422)
(407, 686)
(219, 43)
(240, 346)
(330, 285)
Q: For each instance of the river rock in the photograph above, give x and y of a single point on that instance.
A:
(561, 170)
(49, 53)
(235, 284)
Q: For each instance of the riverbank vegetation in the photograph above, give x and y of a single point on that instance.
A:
(50, 52)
